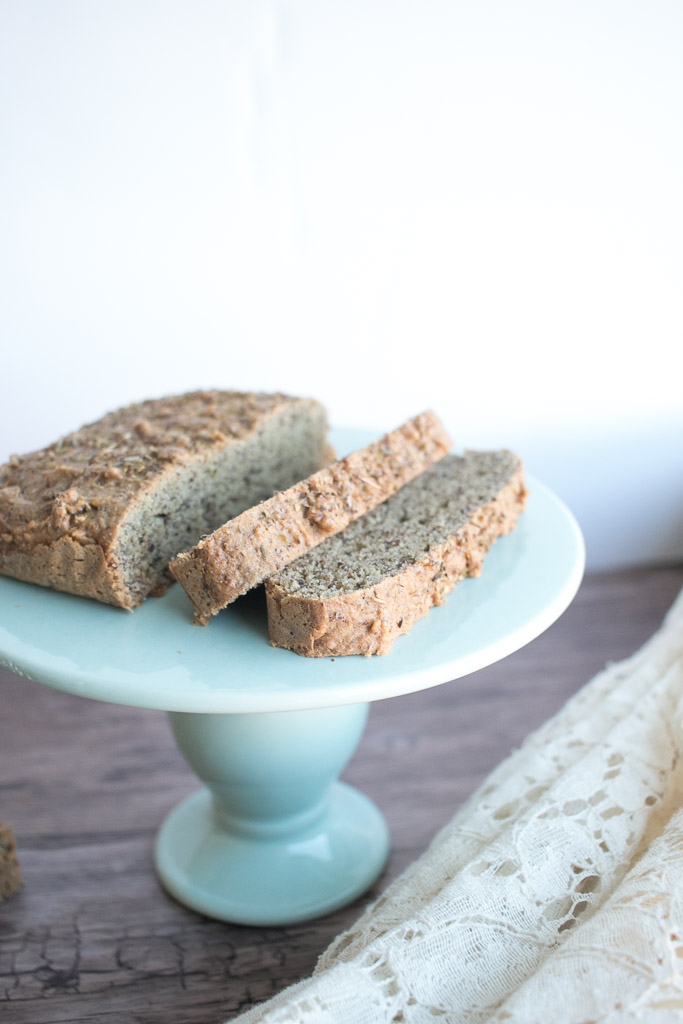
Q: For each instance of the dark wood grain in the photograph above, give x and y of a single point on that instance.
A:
(93, 938)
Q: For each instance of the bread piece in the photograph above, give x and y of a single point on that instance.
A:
(102, 511)
(259, 542)
(10, 879)
(359, 590)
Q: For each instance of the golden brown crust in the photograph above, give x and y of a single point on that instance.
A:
(61, 507)
(71, 566)
(10, 879)
(260, 541)
(368, 621)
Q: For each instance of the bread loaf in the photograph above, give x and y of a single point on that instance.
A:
(102, 511)
(262, 540)
(359, 590)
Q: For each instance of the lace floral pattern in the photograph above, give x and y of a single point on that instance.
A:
(556, 892)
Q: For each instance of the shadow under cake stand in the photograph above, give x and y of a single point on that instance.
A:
(273, 837)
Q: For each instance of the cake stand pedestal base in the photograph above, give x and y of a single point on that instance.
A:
(272, 838)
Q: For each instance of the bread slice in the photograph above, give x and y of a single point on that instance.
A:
(262, 540)
(10, 879)
(359, 590)
(102, 511)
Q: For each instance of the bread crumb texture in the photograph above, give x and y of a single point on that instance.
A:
(10, 879)
(262, 540)
(361, 589)
(102, 511)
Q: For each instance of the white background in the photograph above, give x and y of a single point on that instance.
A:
(470, 206)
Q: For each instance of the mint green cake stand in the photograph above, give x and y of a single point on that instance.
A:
(273, 837)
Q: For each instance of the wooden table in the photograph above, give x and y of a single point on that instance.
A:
(93, 938)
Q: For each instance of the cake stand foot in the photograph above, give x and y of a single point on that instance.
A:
(272, 838)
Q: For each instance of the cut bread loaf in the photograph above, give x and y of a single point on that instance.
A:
(10, 879)
(262, 540)
(102, 511)
(358, 591)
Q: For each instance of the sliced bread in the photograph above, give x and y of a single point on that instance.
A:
(262, 540)
(102, 511)
(359, 590)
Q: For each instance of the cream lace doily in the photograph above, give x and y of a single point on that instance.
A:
(554, 895)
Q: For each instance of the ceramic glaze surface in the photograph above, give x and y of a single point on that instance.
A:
(155, 657)
(272, 838)
(234, 877)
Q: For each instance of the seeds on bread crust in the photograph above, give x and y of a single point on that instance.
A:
(103, 510)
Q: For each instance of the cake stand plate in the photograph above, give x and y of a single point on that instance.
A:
(273, 837)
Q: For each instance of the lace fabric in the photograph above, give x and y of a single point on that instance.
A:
(555, 892)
